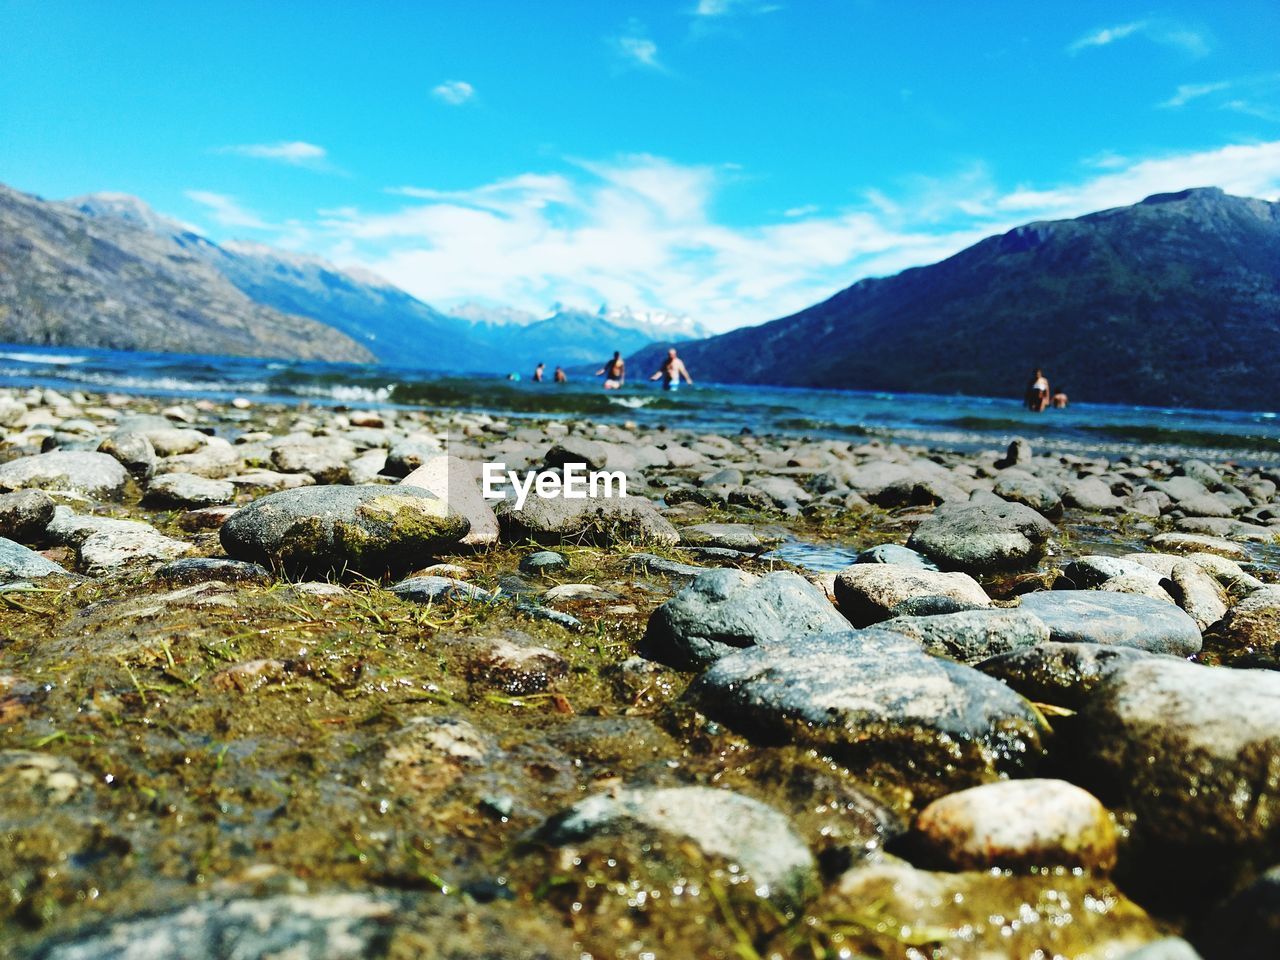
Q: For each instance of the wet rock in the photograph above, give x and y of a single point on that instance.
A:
(873, 696)
(1245, 926)
(601, 521)
(1252, 627)
(134, 452)
(972, 635)
(1198, 543)
(721, 823)
(24, 514)
(724, 610)
(93, 475)
(454, 482)
(544, 561)
(335, 926)
(867, 593)
(438, 589)
(184, 490)
(251, 674)
(639, 681)
(892, 553)
(428, 754)
(193, 570)
(928, 606)
(1192, 751)
(1059, 673)
(986, 915)
(982, 535)
(515, 668)
(366, 529)
(1018, 824)
(538, 612)
(1119, 619)
(731, 536)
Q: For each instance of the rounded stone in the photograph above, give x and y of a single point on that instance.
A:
(93, 475)
(1119, 619)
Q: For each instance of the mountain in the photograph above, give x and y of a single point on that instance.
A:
(390, 323)
(1171, 301)
(71, 278)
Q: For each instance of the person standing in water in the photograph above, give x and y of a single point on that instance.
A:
(560, 375)
(537, 372)
(671, 371)
(1037, 392)
(614, 372)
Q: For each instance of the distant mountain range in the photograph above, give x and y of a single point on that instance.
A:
(106, 270)
(1171, 301)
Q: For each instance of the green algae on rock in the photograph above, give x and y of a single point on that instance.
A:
(367, 529)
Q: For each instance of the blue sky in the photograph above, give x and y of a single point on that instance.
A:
(732, 160)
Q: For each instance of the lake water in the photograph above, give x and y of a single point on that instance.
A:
(955, 422)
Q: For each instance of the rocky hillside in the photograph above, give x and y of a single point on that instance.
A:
(1172, 301)
(68, 278)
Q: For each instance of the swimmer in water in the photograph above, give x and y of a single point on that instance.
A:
(671, 371)
(614, 372)
(537, 372)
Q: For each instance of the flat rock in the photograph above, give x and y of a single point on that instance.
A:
(1198, 543)
(731, 536)
(435, 589)
(982, 535)
(725, 610)
(20, 563)
(1119, 619)
(1089, 572)
(867, 593)
(93, 475)
(453, 481)
(367, 529)
(1018, 824)
(1062, 674)
(191, 570)
(1092, 495)
(873, 696)
(187, 491)
(897, 555)
(752, 835)
(1018, 486)
(972, 635)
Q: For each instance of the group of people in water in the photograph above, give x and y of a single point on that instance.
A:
(614, 372)
(1039, 397)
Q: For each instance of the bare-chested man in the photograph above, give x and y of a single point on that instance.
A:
(614, 372)
(671, 371)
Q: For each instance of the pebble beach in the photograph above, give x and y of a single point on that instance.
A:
(276, 679)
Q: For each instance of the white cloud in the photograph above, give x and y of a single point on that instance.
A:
(1187, 92)
(454, 92)
(227, 211)
(728, 8)
(640, 230)
(634, 48)
(1158, 31)
(298, 153)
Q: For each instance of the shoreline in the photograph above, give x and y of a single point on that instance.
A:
(255, 669)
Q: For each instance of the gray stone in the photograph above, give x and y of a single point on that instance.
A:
(972, 635)
(1198, 593)
(544, 561)
(721, 823)
(24, 514)
(650, 563)
(725, 610)
(897, 555)
(436, 589)
(867, 593)
(324, 458)
(731, 536)
(134, 451)
(1062, 674)
(1018, 486)
(366, 529)
(1199, 543)
(93, 475)
(184, 490)
(538, 612)
(982, 535)
(1092, 495)
(19, 563)
(1118, 619)
(406, 456)
(601, 520)
(1090, 572)
(1018, 824)
(1251, 628)
(874, 697)
(192, 570)
(577, 450)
